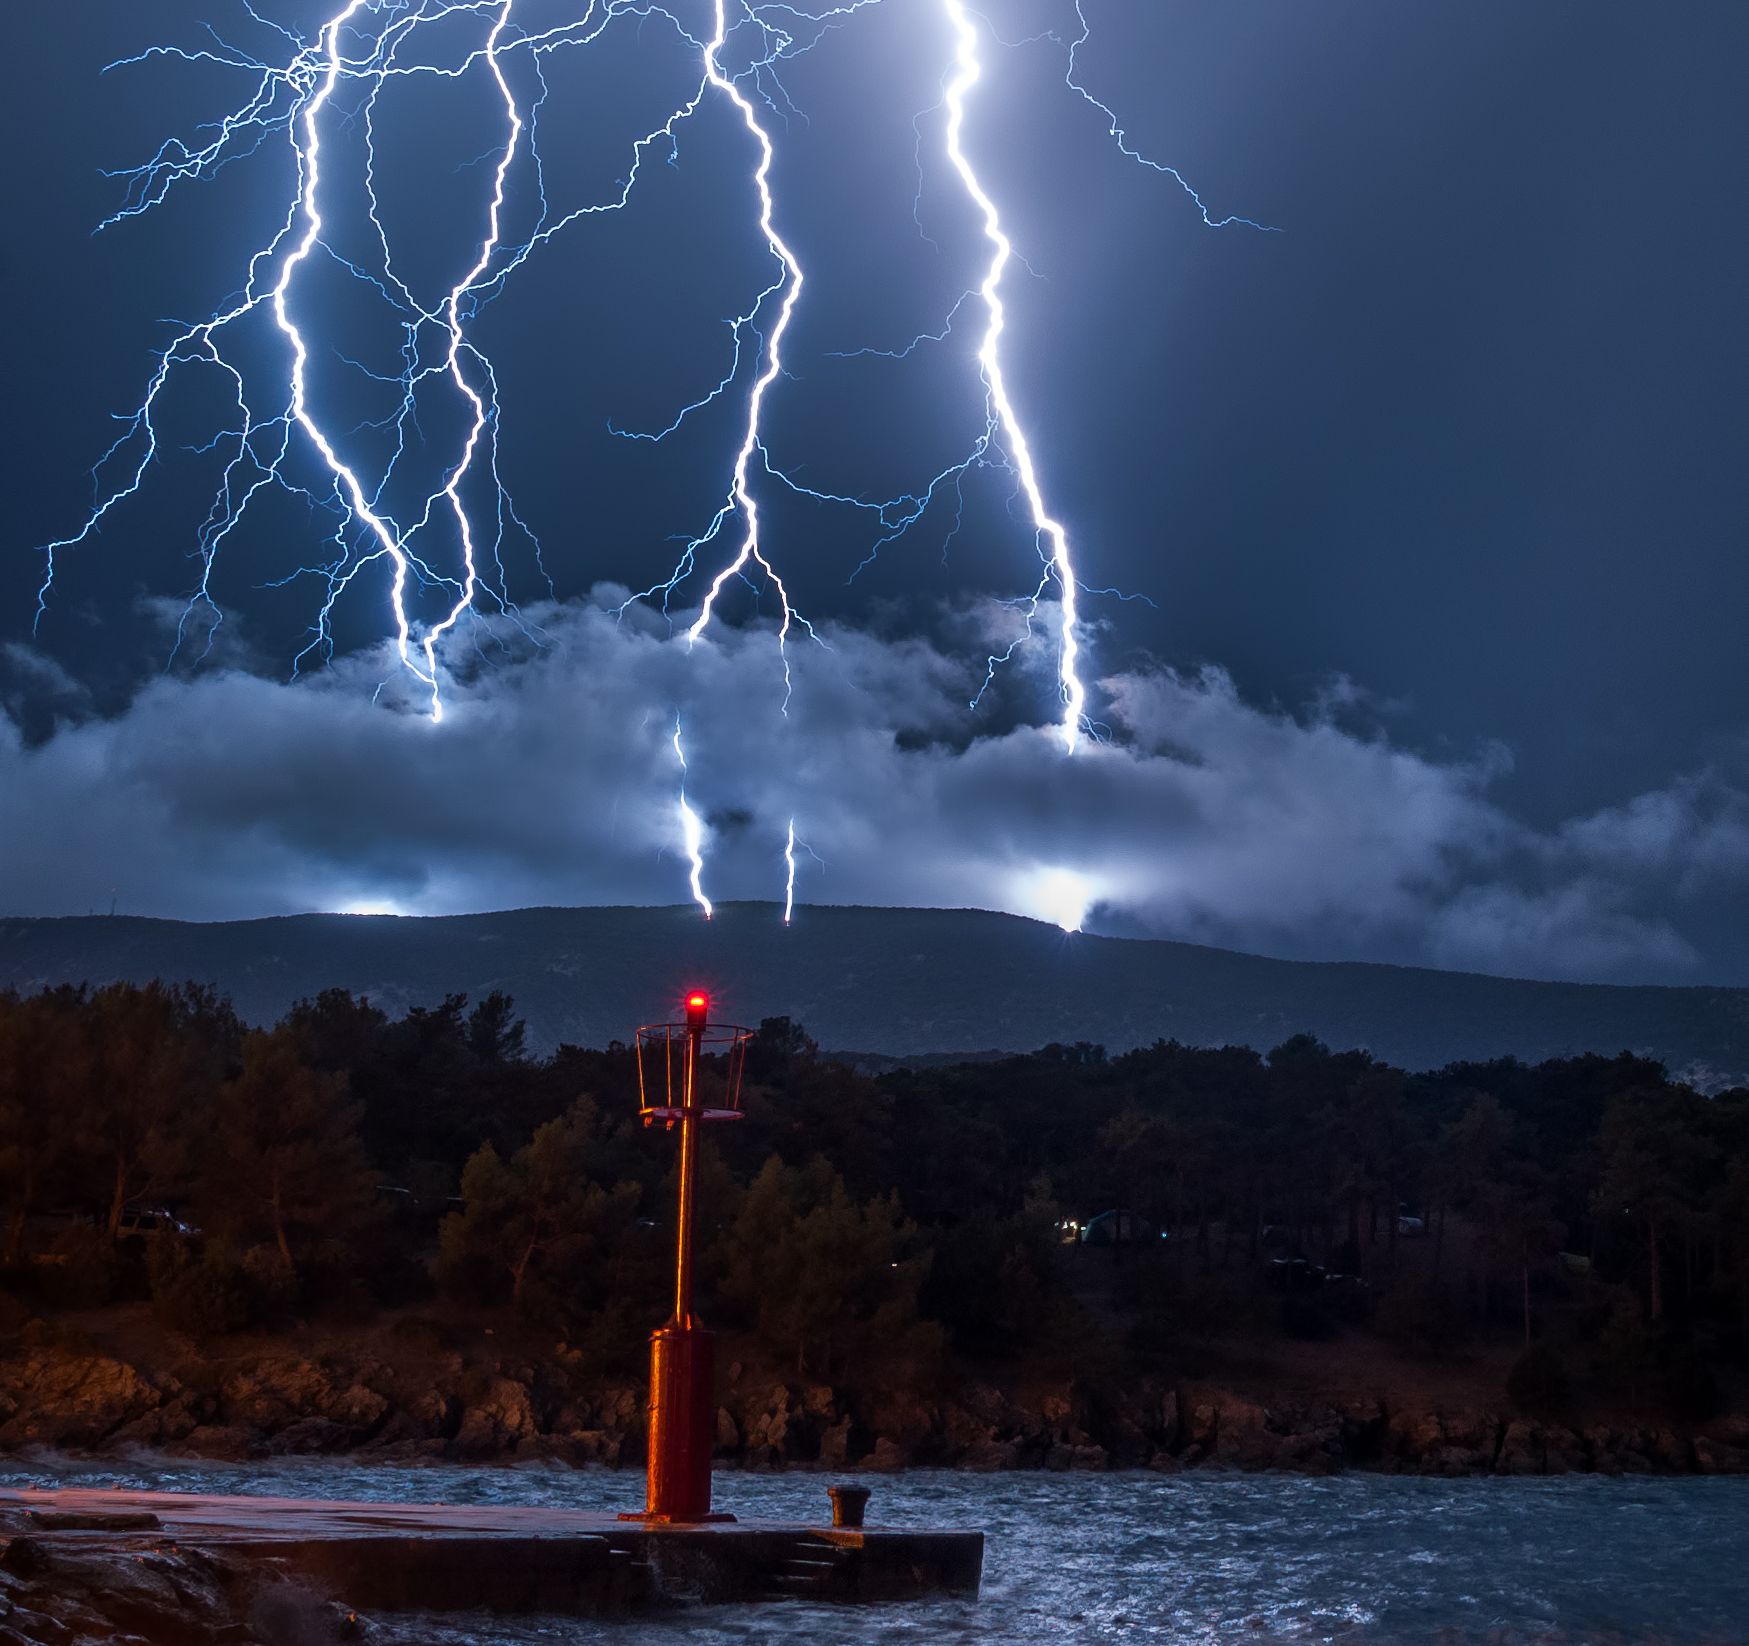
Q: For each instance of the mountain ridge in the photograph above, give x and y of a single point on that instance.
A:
(893, 982)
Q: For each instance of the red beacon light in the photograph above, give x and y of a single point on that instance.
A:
(694, 1065)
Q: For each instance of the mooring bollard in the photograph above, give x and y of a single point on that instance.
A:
(848, 1503)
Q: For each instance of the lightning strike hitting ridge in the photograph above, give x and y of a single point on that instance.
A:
(329, 89)
(691, 833)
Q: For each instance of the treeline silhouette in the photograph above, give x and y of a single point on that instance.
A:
(1589, 1210)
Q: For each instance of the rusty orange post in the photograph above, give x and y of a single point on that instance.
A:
(682, 1408)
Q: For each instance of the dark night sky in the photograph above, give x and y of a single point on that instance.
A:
(1439, 494)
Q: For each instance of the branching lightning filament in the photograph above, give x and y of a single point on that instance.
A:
(322, 93)
(968, 70)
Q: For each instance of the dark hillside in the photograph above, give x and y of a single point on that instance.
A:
(895, 981)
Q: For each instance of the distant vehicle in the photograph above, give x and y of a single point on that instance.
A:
(148, 1221)
(1118, 1228)
(1410, 1227)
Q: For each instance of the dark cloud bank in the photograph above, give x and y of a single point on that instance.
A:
(1304, 832)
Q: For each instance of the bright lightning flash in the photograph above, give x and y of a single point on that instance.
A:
(330, 90)
(1061, 896)
(967, 72)
(743, 496)
(692, 834)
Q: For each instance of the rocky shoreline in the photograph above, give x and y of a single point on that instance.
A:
(56, 1396)
(52, 1595)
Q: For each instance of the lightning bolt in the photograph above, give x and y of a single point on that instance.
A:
(691, 833)
(789, 880)
(967, 72)
(745, 501)
(295, 98)
(308, 92)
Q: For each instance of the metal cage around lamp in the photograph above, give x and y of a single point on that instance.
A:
(683, 1066)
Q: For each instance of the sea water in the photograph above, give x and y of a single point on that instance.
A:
(1198, 1557)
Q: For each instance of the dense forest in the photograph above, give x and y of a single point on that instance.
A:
(1589, 1212)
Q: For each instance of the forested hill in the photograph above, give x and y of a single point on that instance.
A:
(893, 981)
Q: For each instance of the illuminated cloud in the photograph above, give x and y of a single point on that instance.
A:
(553, 780)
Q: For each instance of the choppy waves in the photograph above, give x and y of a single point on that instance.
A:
(1379, 1560)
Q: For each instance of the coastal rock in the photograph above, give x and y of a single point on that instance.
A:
(910, 1420)
(1716, 1457)
(170, 1423)
(1521, 1450)
(1087, 1458)
(223, 1443)
(1164, 1429)
(1671, 1452)
(619, 1408)
(601, 1446)
(275, 1391)
(1414, 1436)
(993, 1455)
(1200, 1420)
(497, 1421)
(819, 1400)
(1303, 1438)
(81, 1596)
(74, 1400)
(356, 1407)
(1362, 1427)
(1535, 1449)
(1564, 1452)
(580, 1448)
(286, 1392)
(887, 1455)
(312, 1437)
(835, 1445)
(767, 1425)
(1240, 1435)
(434, 1414)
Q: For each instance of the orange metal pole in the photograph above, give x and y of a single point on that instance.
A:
(682, 1409)
(688, 1181)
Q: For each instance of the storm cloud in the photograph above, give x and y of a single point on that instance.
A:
(1299, 830)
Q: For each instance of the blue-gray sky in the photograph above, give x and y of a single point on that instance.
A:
(1438, 494)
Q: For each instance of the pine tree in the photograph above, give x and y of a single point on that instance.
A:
(285, 1161)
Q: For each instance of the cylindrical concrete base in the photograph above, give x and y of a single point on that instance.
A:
(683, 1423)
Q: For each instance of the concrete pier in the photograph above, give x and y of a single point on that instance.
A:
(431, 1557)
